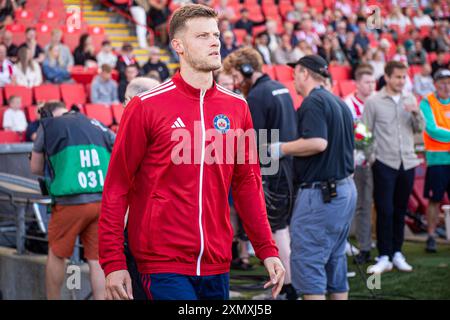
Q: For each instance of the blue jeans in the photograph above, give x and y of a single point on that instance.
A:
(172, 286)
(319, 233)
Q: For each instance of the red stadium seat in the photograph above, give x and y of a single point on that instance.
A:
(297, 99)
(31, 113)
(117, 110)
(240, 35)
(10, 137)
(99, 112)
(2, 111)
(46, 92)
(269, 70)
(414, 69)
(83, 75)
(24, 17)
(18, 32)
(73, 93)
(43, 34)
(340, 72)
(71, 37)
(97, 34)
(346, 87)
(25, 93)
(52, 18)
(283, 73)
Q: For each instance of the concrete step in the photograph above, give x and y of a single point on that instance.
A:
(122, 38)
(98, 20)
(90, 13)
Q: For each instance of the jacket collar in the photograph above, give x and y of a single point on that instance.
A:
(189, 90)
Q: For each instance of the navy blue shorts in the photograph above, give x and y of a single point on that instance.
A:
(172, 286)
(437, 182)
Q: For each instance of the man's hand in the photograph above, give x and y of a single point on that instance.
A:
(276, 272)
(118, 286)
(275, 151)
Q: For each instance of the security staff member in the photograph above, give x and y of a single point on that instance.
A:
(327, 197)
(75, 151)
(272, 108)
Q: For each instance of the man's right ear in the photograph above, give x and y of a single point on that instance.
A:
(177, 45)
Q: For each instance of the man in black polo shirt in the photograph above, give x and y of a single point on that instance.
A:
(323, 157)
(272, 109)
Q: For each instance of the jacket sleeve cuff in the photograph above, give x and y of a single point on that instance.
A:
(114, 266)
(268, 252)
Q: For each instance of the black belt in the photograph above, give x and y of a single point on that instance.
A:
(318, 184)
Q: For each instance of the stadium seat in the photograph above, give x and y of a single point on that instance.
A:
(30, 113)
(24, 17)
(346, 87)
(297, 99)
(336, 90)
(46, 92)
(340, 72)
(73, 93)
(52, 18)
(25, 93)
(2, 111)
(269, 70)
(83, 75)
(71, 37)
(240, 35)
(97, 34)
(18, 33)
(43, 34)
(283, 72)
(99, 112)
(10, 137)
(414, 69)
(117, 110)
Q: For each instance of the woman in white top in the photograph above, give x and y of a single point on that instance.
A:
(27, 71)
(397, 18)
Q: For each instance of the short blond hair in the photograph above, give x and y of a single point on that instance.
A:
(186, 13)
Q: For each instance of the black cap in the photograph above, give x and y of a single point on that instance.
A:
(314, 63)
(441, 74)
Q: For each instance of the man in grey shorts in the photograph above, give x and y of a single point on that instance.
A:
(327, 196)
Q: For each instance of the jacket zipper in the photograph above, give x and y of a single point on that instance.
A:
(200, 193)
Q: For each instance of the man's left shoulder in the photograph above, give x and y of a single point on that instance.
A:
(231, 96)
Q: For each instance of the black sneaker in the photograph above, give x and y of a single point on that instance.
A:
(290, 292)
(431, 245)
(362, 258)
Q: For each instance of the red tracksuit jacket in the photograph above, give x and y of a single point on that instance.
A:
(179, 217)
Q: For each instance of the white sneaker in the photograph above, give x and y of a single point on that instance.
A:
(383, 265)
(351, 250)
(400, 263)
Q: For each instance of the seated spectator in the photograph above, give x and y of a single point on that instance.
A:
(10, 46)
(319, 24)
(53, 67)
(423, 82)
(338, 55)
(422, 20)
(138, 10)
(326, 49)
(308, 34)
(362, 41)
(138, 86)
(31, 43)
(351, 53)
(400, 55)
(227, 45)
(225, 80)
(225, 11)
(155, 64)
(344, 7)
(84, 53)
(7, 9)
(289, 29)
(272, 34)
(434, 42)
(104, 89)
(106, 55)
(352, 22)
(64, 51)
(14, 117)
(125, 59)
(6, 67)
(286, 53)
(261, 42)
(377, 62)
(158, 15)
(439, 63)
(295, 15)
(341, 31)
(246, 23)
(397, 18)
(27, 72)
(417, 55)
(131, 72)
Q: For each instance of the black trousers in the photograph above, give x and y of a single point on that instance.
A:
(392, 189)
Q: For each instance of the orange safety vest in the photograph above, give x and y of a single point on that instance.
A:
(441, 114)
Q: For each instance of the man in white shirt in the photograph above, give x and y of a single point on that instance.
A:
(6, 67)
(14, 118)
(365, 87)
